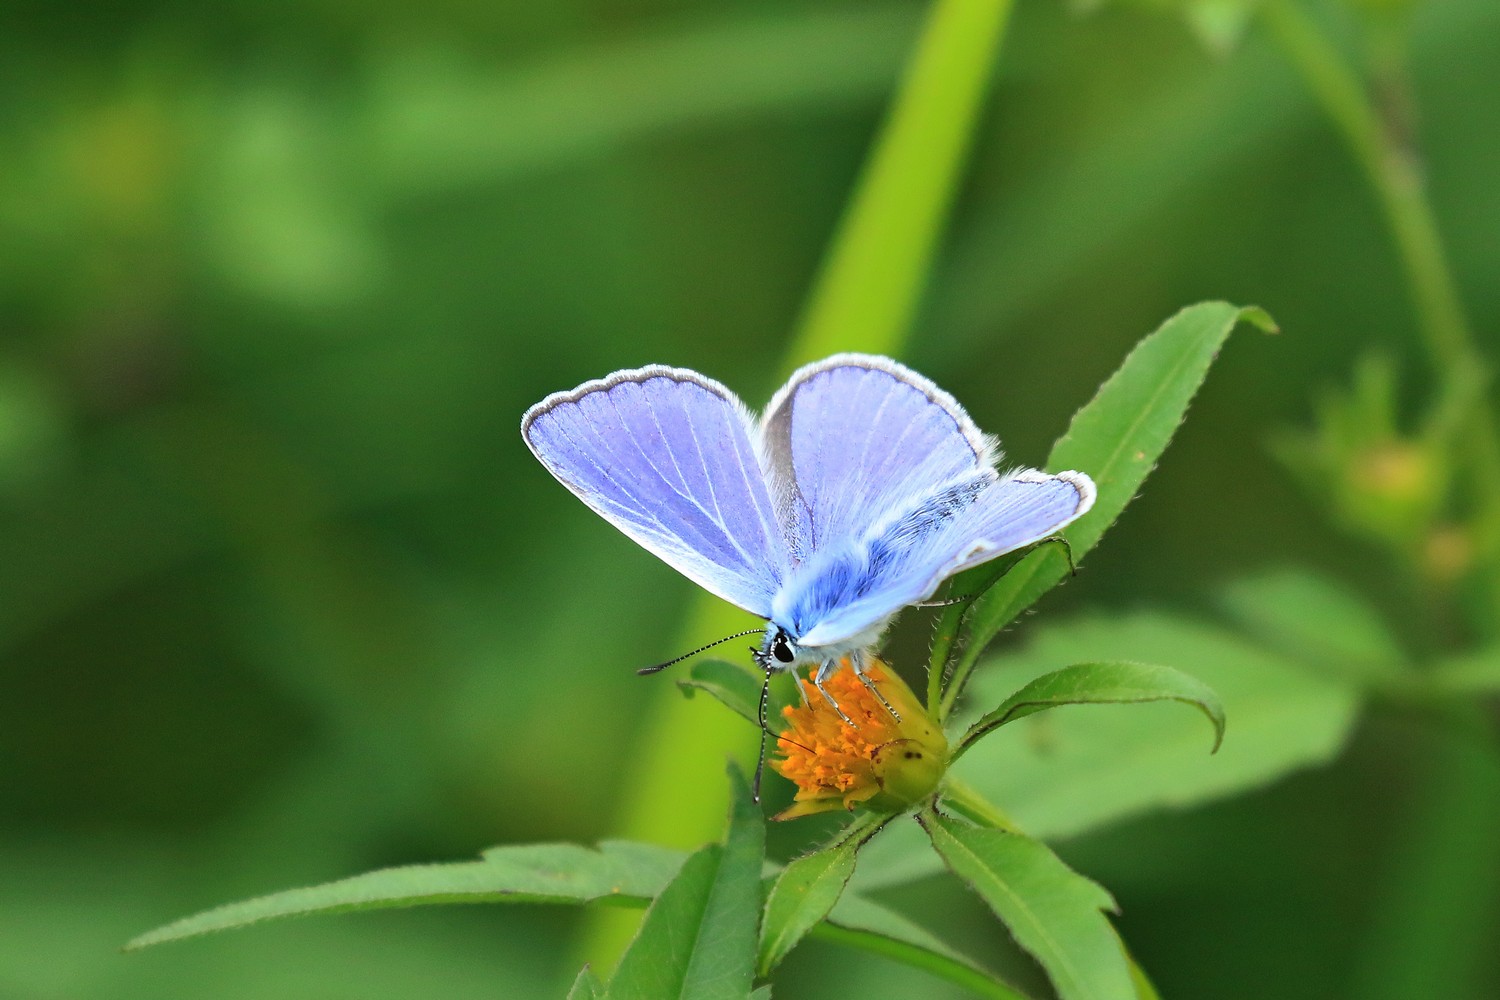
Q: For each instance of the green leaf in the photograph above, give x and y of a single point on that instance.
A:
(586, 986)
(861, 923)
(1101, 683)
(735, 687)
(1116, 439)
(1145, 989)
(1316, 621)
(1054, 913)
(1065, 772)
(698, 939)
(804, 893)
(1476, 673)
(531, 873)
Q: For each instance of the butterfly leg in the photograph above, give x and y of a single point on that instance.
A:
(802, 690)
(824, 671)
(857, 661)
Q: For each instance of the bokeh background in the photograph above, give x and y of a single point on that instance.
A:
(284, 598)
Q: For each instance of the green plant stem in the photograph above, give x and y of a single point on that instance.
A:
(1395, 174)
(864, 299)
(872, 277)
(1438, 897)
(955, 972)
(963, 799)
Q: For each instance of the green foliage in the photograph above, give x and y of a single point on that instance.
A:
(1055, 914)
(1117, 439)
(698, 939)
(1064, 773)
(586, 986)
(278, 606)
(530, 873)
(1100, 684)
(1475, 673)
(1315, 620)
(803, 894)
(734, 687)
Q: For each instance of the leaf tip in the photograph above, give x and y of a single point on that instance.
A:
(1260, 319)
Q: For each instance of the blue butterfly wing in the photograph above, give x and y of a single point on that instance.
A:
(1018, 509)
(667, 456)
(855, 439)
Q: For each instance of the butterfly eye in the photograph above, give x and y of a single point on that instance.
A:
(781, 650)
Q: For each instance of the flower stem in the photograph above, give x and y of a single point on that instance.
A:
(1394, 172)
(968, 803)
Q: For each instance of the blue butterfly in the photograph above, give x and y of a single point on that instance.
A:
(859, 491)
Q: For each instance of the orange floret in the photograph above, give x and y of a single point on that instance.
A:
(876, 761)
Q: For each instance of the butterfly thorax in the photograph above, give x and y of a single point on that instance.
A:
(814, 593)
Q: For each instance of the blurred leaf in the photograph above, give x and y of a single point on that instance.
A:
(763, 993)
(1116, 439)
(1474, 673)
(1219, 24)
(804, 893)
(531, 873)
(698, 940)
(586, 986)
(861, 923)
(1101, 683)
(735, 687)
(731, 685)
(1063, 773)
(436, 121)
(1053, 912)
(1315, 620)
(1144, 988)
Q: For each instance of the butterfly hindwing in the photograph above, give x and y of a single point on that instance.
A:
(1018, 509)
(666, 455)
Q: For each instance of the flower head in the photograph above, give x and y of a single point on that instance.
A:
(877, 762)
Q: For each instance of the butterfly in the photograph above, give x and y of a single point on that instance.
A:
(859, 491)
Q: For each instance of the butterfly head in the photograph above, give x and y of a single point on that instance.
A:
(778, 650)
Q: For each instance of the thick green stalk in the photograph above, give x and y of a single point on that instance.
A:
(874, 272)
(864, 299)
(1395, 176)
(1430, 930)
(962, 798)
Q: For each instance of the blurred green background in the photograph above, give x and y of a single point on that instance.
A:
(284, 598)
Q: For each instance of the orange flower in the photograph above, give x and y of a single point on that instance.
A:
(878, 762)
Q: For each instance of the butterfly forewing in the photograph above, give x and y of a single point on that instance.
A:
(857, 440)
(666, 456)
